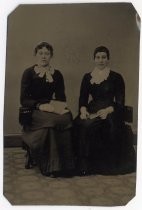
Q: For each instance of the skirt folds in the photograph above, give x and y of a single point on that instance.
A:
(104, 146)
(50, 141)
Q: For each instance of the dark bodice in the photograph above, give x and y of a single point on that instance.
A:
(109, 91)
(37, 90)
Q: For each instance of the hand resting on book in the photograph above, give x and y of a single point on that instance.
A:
(102, 113)
(58, 107)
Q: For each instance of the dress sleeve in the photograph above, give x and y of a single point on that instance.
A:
(60, 88)
(119, 92)
(25, 96)
(84, 92)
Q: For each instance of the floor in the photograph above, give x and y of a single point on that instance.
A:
(29, 187)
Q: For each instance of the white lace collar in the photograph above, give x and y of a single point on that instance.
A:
(99, 76)
(42, 71)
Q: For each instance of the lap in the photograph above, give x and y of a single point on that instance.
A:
(42, 119)
(110, 121)
(87, 122)
(42, 122)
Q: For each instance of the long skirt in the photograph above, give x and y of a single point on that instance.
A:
(104, 146)
(50, 141)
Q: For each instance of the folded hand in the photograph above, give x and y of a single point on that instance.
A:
(83, 113)
(102, 113)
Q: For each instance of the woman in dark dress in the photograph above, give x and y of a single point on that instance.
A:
(47, 138)
(103, 144)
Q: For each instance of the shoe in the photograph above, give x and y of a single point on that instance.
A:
(45, 173)
(82, 173)
(55, 174)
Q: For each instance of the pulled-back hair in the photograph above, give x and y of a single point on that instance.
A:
(102, 49)
(43, 44)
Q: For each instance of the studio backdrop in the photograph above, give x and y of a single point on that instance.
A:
(74, 31)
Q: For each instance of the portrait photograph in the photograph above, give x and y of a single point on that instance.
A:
(71, 97)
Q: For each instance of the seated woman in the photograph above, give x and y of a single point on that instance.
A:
(47, 137)
(103, 143)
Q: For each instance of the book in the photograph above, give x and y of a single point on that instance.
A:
(93, 116)
(60, 107)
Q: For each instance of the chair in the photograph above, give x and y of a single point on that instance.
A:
(128, 114)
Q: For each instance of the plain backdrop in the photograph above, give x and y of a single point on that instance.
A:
(74, 30)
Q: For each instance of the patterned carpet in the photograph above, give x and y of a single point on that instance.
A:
(29, 187)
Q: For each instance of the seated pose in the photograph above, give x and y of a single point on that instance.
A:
(47, 136)
(104, 144)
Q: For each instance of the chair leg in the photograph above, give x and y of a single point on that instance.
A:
(28, 161)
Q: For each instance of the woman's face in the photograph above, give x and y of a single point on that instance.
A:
(43, 56)
(101, 60)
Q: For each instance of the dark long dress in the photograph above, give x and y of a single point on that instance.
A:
(48, 136)
(104, 146)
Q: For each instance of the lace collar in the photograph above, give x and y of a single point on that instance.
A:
(99, 76)
(47, 71)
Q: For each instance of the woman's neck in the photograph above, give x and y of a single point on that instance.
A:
(43, 66)
(101, 69)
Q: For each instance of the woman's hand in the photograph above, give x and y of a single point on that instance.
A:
(102, 113)
(83, 113)
(46, 107)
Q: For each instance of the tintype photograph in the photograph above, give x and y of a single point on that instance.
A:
(71, 104)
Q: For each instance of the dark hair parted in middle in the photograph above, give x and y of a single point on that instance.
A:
(44, 44)
(102, 49)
